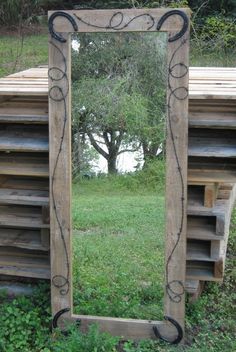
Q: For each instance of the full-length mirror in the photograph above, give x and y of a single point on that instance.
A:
(119, 83)
(118, 88)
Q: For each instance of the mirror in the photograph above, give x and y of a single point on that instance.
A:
(117, 87)
(118, 83)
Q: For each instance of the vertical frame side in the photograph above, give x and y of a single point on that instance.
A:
(60, 172)
(176, 178)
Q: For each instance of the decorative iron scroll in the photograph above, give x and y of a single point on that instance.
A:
(175, 288)
(58, 94)
(117, 23)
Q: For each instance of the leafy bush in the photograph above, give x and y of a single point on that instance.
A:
(220, 31)
(93, 341)
(25, 322)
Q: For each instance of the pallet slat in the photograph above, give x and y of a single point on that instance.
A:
(24, 197)
(21, 216)
(22, 238)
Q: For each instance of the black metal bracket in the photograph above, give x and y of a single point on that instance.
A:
(57, 316)
(55, 35)
(183, 29)
(178, 328)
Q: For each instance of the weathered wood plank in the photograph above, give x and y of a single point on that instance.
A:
(24, 197)
(199, 250)
(26, 217)
(24, 183)
(15, 164)
(201, 270)
(22, 238)
(103, 18)
(203, 228)
(8, 142)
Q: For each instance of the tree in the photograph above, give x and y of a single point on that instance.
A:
(119, 91)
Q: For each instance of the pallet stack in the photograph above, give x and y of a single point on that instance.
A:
(24, 218)
(211, 172)
(24, 175)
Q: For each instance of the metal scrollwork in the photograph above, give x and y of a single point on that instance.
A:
(58, 93)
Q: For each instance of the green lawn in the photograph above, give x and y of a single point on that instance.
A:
(118, 252)
(17, 54)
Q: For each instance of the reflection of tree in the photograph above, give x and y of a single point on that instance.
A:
(119, 92)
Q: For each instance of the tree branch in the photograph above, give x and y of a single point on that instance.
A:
(96, 146)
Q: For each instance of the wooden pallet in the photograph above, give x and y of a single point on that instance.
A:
(24, 172)
(211, 170)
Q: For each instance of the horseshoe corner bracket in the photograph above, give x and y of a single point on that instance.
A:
(179, 330)
(51, 19)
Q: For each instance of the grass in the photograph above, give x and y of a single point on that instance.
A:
(118, 251)
(17, 54)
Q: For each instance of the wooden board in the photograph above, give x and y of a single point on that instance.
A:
(8, 142)
(21, 216)
(202, 228)
(17, 262)
(212, 119)
(24, 197)
(22, 238)
(27, 165)
(201, 270)
(199, 250)
(24, 183)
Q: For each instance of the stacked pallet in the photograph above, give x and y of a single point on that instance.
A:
(24, 220)
(24, 190)
(211, 172)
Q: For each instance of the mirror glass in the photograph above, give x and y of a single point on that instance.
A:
(118, 167)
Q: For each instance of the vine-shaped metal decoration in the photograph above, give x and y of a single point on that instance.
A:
(117, 22)
(178, 328)
(175, 288)
(55, 35)
(58, 94)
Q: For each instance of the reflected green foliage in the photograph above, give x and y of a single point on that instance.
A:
(119, 84)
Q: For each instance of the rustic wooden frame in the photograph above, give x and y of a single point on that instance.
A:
(61, 25)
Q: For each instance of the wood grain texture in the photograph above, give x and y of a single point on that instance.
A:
(176, 180)
(60, 176)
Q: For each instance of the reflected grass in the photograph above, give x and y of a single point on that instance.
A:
(118, 263)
